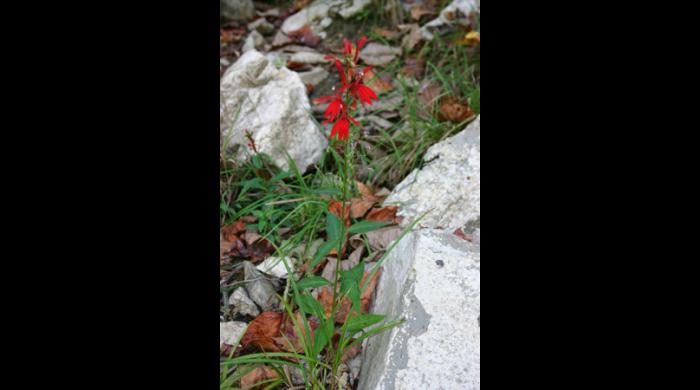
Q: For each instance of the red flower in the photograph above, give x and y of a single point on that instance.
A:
(351, 79)
(365, 94)
(341, 128)
(335, 107)
(359, 90)
(341, 71)
(360, 43)
(333, 110)
(347, 48)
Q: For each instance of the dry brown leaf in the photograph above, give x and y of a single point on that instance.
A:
(365, 299)
(336, 207)
(305, 36)
(356, 241)
(262, 331)
(306, 265)
(231, 231)
(351, 352)
(366, 191)
(386, 33)
(454, 110)
(429, 93)
(384, 214)
(224, 246)
(288, 338)
(249, 219)
(413, 67)
(325, 298)
(417, 11)
(255, 252)
(413, 36)
(354, 258)
(380, 239)
(375, 82)
(258, 375)
(459, 233)
(299, 4)
(251, 236)
(360, 206)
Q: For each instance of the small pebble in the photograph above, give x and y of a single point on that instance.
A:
(440, 263)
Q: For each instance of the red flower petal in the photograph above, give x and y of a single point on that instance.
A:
(366, 94)
(354, 122)
(341, 129)
(333, 110)
(360, 43)
(323, 99)
(347, 49)
(341, 71)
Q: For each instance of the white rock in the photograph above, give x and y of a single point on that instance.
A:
(463, 7)
(253, 41)
(273, 105)
(314, 76)
(306, 57)
(274, 12)
(231, 332)
(242, 303)
(274, 266)
(379, 122)
(376, 54)
(312, 15)
(237, 9)
(449, 185)
(355, 8)
(277, 58)
(262, 26)
(259, 287)
(280, 39)
(432, 279)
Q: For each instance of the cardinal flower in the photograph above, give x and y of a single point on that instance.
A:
(359, 90)
(335, 107)
(352, 89)
(342, 126)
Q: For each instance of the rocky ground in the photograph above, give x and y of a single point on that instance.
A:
(411, 234)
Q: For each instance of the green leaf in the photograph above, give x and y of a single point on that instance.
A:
(333, 192)
(354, 274)
(322, 251)
(250, 184)
(322, 336)
(354, 295)
(350, 283)
(375, 331)
(357, 323)
(280, 176)
(366, 226)
(311, 282)
(333, 226)
(308, 304)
